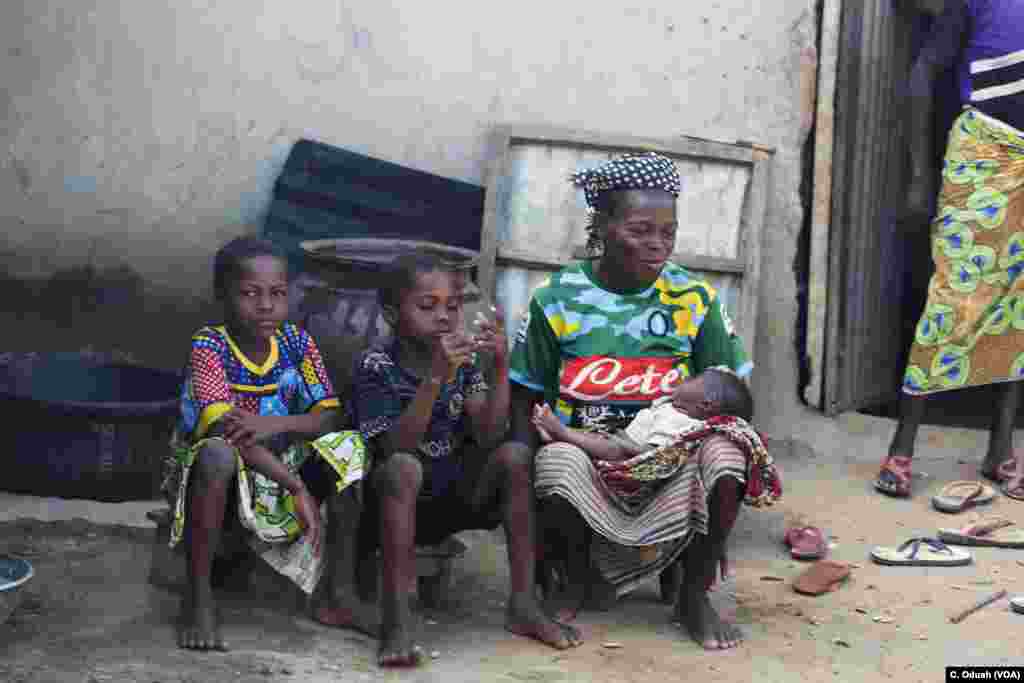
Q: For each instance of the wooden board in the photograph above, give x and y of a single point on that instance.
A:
(534, 218)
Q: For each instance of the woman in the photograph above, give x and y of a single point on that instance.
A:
(602, 340)
(971, 332)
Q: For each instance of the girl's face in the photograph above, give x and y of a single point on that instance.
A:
(431, 308)
(257, 298)
(639, 237)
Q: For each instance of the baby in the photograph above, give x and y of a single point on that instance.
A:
(711, 393)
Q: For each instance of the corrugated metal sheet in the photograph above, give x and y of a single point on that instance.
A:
(862, 362)
(329, 192)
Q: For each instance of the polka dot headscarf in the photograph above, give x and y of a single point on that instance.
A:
(628, 172)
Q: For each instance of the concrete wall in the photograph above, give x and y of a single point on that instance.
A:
(137, 136)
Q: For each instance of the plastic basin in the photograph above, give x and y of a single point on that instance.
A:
(15, 573)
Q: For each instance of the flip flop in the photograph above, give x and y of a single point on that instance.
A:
(1017, 604)
(921, 552)
(957, 496)
(894, 476)
(821, 577)
(806, 543)
(1016, 493)
(991, 532)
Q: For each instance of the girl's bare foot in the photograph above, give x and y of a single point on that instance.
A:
(199, 628)
(524, 617)
(695, 612)
(397, 649)
(397, 646)
(350, 612)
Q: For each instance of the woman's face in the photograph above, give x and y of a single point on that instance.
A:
(639, 237)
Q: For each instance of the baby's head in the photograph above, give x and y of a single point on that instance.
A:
(714, 392)
(421, 297)
(250, 278)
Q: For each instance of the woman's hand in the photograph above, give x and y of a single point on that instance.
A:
(547, 423)
(244, 429)
(451, 352)
(308, 512)
(492, 336)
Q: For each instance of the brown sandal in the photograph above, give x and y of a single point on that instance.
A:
(823, 576)
(894, 476)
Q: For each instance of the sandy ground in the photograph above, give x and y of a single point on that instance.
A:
(91, 616)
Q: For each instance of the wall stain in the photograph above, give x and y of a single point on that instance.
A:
(22, 173)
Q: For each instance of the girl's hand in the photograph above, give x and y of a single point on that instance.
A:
(452, 352)
(308, 512)
(548, 426)
(244, 429)
(491, 336)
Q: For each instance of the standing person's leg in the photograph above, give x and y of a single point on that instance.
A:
(212, 473)
(506, 482)
(895, 473)
(1000, 444)
(397, 482)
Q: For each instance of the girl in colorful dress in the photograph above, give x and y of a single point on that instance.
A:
(255, 446)
(419, 402)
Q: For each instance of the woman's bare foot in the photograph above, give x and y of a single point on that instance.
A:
(199, 628)
(524, 617)
(348, 611)
(695, 612)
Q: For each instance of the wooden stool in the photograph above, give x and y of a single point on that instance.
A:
(433, 564)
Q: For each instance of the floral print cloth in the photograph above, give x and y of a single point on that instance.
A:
(635, 481)
(972, 330)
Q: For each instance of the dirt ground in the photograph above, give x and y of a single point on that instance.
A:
(91, 616)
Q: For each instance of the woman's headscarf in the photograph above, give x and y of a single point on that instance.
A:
(644, 171)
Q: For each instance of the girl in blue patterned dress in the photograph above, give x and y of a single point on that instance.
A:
(257, 433)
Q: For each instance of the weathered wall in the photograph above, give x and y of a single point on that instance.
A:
(139, 135)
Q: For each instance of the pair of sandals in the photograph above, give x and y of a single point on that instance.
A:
(992, 532)
(895, 475)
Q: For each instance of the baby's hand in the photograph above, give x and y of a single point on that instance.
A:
(548, 426)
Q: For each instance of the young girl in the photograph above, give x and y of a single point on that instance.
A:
(254, 405)
(419, 401)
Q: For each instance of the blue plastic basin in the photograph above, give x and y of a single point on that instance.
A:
(14, 574)
(85, 429)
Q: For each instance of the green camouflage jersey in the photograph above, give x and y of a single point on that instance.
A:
(600, 356)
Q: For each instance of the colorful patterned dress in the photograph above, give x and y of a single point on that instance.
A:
(599, 357)
(291, 381)
(971, 332)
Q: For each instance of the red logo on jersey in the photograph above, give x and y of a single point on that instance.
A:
(598, 378)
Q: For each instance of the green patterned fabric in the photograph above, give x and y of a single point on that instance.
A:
(266, 510)
(972, 330)
(600, 356)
